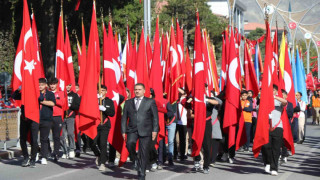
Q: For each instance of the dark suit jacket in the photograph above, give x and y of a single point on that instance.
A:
(144, 121)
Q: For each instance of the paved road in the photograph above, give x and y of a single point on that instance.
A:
(303, 165)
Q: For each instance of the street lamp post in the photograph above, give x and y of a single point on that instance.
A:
(307, 36)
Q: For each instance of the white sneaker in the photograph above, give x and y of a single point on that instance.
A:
(102, 167)
(154, 167)
(64, 156)
(37, 157)
(231, 160)
(116, 161)
(44, 161)
(97, 161)
(71, 154)
(267, 168)
(274, 173)
(285, 160)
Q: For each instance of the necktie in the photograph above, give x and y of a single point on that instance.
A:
(138, 103)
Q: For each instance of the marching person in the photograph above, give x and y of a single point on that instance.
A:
(46, 101)
(216, 130)
(289, 108)
(142, 116)
(107, 108)
(68, 124)
(247, 115)
(316, 107)
(301, 117)
(26, 126)
(57, 116)
(182, 123)
(169, 116)
(271, 151)
(206, 143)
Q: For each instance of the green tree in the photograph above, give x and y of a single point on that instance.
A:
(256, 34)
(185, 10)
(313, 53)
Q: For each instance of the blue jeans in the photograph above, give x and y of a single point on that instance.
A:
(171, 133)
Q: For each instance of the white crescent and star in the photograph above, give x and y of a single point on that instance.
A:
(232, 73)
(17, 65)
(174, 56)
(29, 66)
(287, 81)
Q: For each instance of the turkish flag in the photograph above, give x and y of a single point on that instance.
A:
(30, 82)
(70, 79)
(250, 74)
(207, 71)
(241, 135)
(180, 48)
(149, 54)
(156, 81)
(141, 66)
(175, 69)
(82, 65)
(39, 64)
(266, 99)
(288, 80)
(188, 73)
(127, 54)
(224, 59)
(232, 107)
(164, 56)
(275, 61)
(16, 81)
(89, 107)
(287, 134)
(61, 69)
(198, 93)
(131, 71)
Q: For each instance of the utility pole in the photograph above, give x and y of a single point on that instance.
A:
(147, 18)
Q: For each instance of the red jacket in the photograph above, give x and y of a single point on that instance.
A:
(60, 102)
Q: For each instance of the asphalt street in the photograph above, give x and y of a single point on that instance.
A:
(304, 165)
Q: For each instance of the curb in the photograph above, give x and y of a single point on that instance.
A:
(11, 153)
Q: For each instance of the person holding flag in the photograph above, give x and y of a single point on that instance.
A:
(271, 150)
(108, 110)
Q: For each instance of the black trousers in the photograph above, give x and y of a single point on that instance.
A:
(78, 143)
(253, 127)
(215, 143)
(271, 151)
(112, 153)
(44, 128)
(56, 130)
(143, 153)
(294, 129)
(162, 152)
(206, 145)
(182, 130)
(248, 133)
(99, 144)
(27, 126)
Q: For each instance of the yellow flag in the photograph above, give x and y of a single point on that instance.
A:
(282, 54)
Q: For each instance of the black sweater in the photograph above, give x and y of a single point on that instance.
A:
(73, 103)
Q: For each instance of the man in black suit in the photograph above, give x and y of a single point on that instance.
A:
(139, 121)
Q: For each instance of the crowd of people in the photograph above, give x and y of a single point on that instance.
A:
(140, 121)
